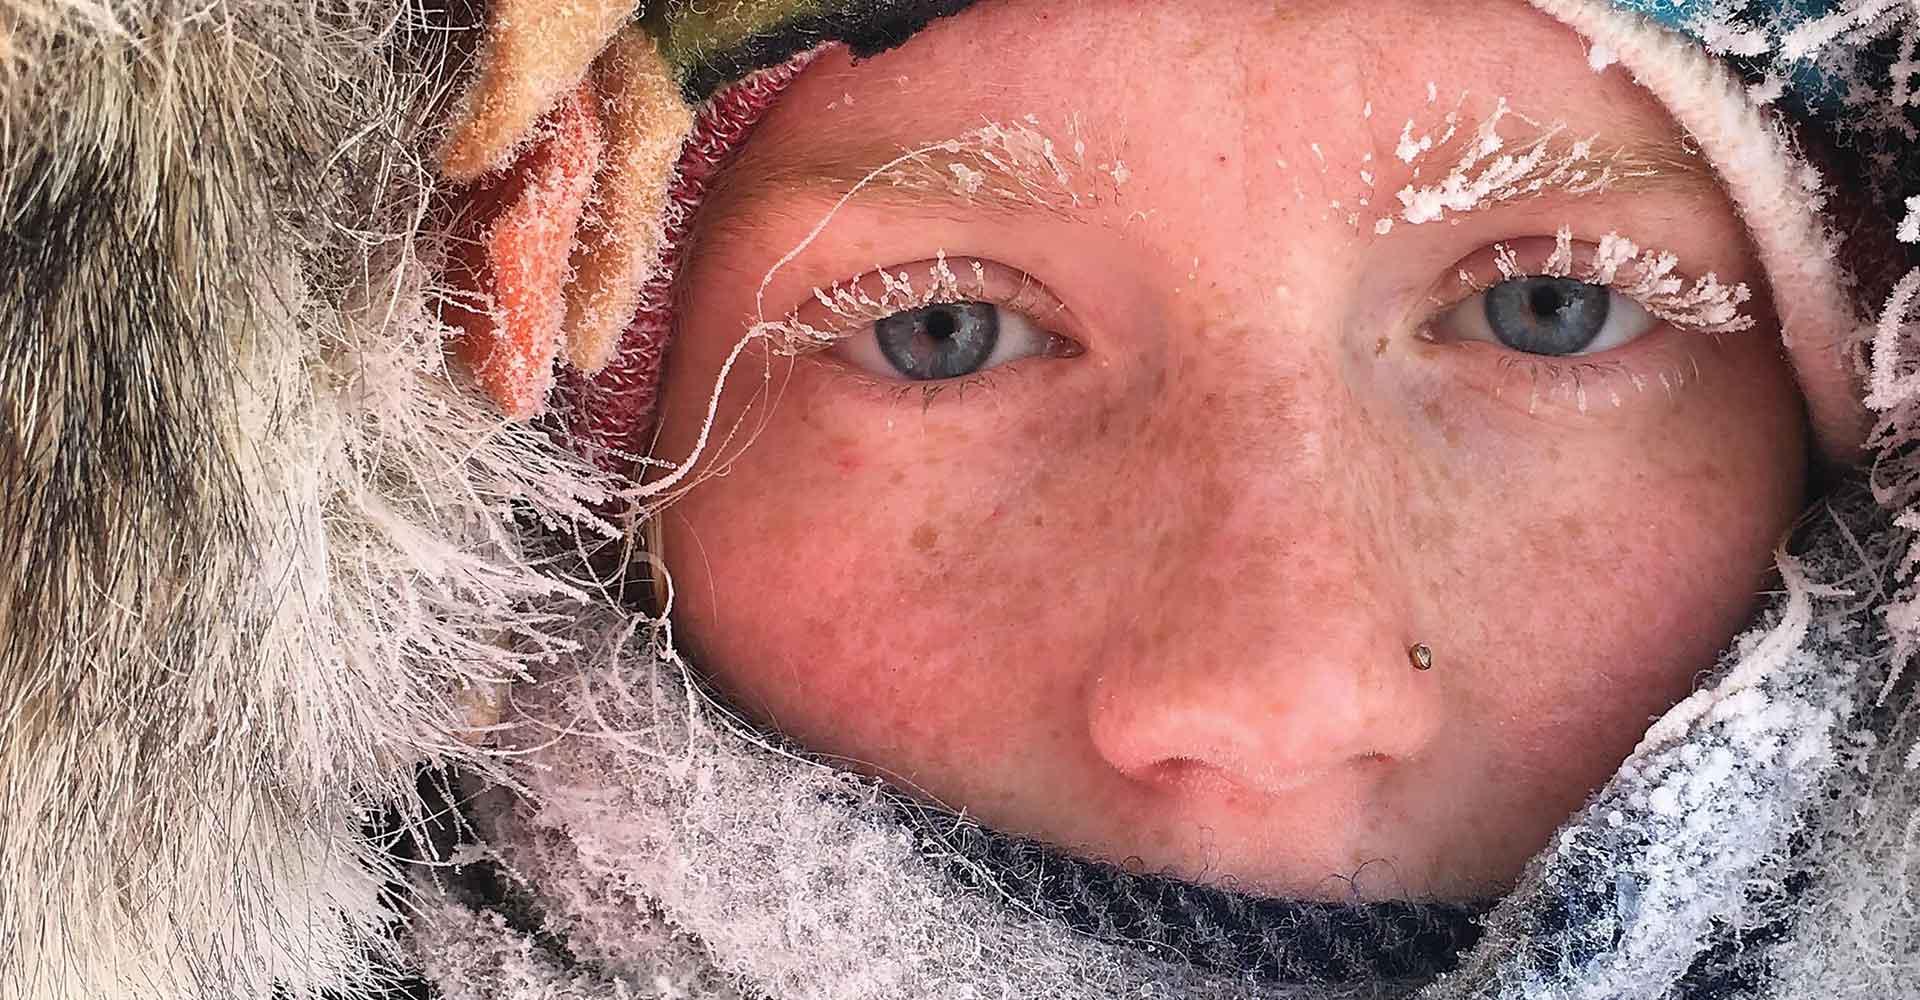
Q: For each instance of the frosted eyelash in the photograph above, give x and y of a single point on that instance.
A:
(1705, 306)
(854, 306)
(1646, 276)
(1582, 380)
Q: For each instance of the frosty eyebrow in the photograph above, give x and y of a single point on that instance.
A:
(1490, 170)
(957, 179)
(1011, 170)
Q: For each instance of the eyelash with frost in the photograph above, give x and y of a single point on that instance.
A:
(854, 305)
(1646, 276)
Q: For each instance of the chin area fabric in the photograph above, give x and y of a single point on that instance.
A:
(267, 563)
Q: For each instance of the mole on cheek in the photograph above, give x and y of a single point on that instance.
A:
(1437, 416)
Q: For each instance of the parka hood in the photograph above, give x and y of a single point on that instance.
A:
(270, 561)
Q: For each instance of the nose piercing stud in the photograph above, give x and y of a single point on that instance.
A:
(1421, 656)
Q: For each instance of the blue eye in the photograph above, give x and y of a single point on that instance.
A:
(946, 340)
(939, 341)
(1552, 317)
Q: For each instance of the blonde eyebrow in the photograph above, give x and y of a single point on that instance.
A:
(1000, 169)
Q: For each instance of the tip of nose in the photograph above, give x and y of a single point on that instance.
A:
(1264, 725)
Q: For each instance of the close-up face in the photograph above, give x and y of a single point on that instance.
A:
(1120, 428)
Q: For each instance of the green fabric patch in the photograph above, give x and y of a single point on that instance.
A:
(693, 32)
(711, 43)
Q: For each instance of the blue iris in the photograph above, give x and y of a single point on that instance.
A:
(939, 341)
(1550, 316)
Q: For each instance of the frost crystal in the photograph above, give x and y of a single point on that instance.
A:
(1480, 178)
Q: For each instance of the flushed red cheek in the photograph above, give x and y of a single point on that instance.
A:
(922, 621)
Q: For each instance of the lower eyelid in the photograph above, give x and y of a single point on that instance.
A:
(1639, 378)
(894, 393)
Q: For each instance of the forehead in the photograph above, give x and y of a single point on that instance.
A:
(1249, 83)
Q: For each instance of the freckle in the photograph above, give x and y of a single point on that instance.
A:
(1039, 521)
(925, 537)
(898, 477)
(1215, 498)
(1380, 348)
(822, 629)
(1163, 632)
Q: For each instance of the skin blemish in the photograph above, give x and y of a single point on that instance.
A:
(1437, 416)
(925, 538)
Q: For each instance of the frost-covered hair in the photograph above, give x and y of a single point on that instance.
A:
(266, 561)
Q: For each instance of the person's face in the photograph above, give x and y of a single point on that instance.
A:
(1148, 590)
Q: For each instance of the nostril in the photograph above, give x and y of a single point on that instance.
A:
(1199, 777)
(1189, 774)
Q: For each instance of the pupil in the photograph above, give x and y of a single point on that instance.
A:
(1547, 300)
(940, 324)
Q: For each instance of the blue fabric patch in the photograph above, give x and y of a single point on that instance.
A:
(1672, 13)
(1808, 88)
(1682, 13)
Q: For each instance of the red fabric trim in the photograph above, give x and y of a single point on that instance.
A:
(610, 415)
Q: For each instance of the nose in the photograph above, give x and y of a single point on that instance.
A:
(1269, 711)
(1268, 642)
